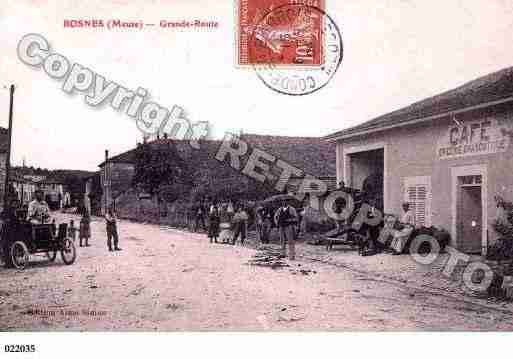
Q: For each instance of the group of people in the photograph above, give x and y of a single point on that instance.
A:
(38, 212)
(226, 222)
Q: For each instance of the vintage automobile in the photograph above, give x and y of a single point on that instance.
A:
(21, 238)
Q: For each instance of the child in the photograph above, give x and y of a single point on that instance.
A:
(72, 230)
(112, 230)
(85, 229)
(226, 226)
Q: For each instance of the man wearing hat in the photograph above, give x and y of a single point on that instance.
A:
(286, 219)
(38, 210)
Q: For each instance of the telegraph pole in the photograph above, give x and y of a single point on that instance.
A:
(105, 181)
(8, 159)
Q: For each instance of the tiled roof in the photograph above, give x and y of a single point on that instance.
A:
(312, 155)
(493, 87)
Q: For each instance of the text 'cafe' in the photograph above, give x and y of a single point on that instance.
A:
(448, 156)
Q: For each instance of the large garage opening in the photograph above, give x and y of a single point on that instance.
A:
(366, 172)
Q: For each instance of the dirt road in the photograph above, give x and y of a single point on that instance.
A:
(172, 280)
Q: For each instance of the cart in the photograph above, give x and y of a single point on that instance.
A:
(346, 234)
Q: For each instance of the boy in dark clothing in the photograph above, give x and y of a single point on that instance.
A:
(85, 229)
(112, 230)
(213, 224)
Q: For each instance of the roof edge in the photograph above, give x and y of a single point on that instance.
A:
(346, 134)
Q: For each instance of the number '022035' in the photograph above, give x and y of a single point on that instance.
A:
(17, 348)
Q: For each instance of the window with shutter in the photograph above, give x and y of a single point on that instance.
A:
(418, 195)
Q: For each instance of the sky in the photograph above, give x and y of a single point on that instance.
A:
(395, 52)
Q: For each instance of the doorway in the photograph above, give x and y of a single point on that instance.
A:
(365, 170)
(469, 218)
(469, 210)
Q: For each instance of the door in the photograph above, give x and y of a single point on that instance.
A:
(469, 219)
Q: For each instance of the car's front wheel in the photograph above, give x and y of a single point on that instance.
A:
(19, 255)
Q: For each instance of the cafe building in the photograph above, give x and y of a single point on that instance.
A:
(448, 156)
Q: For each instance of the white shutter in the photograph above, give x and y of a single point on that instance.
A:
(418, 195)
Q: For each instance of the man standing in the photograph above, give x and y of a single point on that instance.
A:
(300, 214)
(199, 216)
(38, 210)
(240, 220)
(112, 230)
(8, 215)
(286, 219)
(400, 237)
(263, 224)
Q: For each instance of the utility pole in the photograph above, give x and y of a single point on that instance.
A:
(106, 180)
(8, 159)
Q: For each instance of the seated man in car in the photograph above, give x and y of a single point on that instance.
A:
(38, 210)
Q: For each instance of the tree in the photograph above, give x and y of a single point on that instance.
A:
(160, 171)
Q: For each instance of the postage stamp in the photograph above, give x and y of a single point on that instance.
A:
(304, 80)
(280, 32)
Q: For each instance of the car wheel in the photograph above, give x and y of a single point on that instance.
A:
(19, 255)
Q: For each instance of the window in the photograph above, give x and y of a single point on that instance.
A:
(417, 192)
(471, 180)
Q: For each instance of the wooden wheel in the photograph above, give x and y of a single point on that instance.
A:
(19, 255)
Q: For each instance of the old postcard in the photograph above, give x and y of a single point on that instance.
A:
(255, 165)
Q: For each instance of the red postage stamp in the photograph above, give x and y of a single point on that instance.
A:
(280, 32)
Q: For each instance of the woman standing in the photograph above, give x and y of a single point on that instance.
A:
(213, 223)
(226, 226)
(85, 229)
(112, 230)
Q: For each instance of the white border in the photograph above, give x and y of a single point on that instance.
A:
(470, 170)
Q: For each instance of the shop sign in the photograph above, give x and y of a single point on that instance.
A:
(480, 137)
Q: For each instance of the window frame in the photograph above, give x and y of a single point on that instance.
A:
(419, 181)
